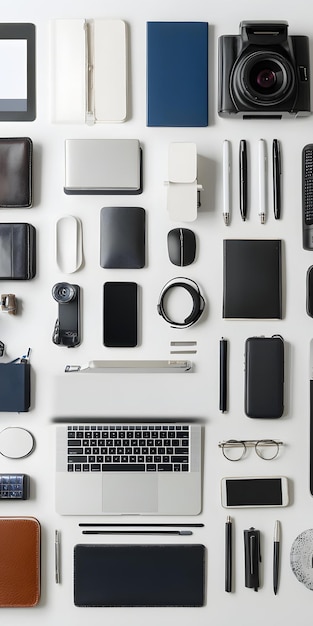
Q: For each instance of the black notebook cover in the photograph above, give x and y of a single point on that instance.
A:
(139, 575)
(252, 278)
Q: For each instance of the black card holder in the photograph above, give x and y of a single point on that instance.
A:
(16, 155)
(122, 237)
(17, 251)
(15, 387)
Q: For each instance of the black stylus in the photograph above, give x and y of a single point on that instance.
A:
(223, 375)
(276, 178)
(137, 532)
(125, 524)
(243, 183)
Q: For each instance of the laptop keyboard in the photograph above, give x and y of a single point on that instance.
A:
(128, 448)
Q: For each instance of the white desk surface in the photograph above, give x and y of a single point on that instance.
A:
(194, 395)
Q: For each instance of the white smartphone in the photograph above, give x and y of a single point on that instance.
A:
(254, 491)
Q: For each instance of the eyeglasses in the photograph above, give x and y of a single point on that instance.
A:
(266, 449)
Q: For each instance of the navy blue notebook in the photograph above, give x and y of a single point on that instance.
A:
(177, 73)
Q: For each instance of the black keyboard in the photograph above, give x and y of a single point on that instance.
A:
(128, 448)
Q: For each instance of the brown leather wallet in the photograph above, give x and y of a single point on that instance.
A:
(16, 172)
(19, 562)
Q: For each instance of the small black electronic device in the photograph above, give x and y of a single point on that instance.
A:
(264, 377)
(181, 243)
(307, 197)
(14, 486)
(309, 291)
(264, 72)
(120, 314)
(254, 491)
(67, 327)
(252, 558)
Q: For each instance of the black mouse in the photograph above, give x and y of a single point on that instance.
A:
(181, 243)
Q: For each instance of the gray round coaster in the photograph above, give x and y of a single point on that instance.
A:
(301, 558)
(16, 442)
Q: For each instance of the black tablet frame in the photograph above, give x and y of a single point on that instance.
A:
(26, 32)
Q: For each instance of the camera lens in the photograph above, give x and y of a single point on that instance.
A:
(266, 79)
(63, 292)
(263, 78)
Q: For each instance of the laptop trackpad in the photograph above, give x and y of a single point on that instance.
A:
(130, 493)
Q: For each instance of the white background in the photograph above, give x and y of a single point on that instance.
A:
(194, 395)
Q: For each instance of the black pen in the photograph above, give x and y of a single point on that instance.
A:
(223, 375)
(276, 554)
(228, 554)
(137, 532)
(276, 178)
(243, 184)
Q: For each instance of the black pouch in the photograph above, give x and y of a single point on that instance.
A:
(17, 251)
(15, 386)
(16, 172)
(264, 376)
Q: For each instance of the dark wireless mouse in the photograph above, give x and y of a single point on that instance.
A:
(181, 243)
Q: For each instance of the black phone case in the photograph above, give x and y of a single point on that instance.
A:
(264, 377)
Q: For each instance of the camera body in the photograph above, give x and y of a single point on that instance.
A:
(263, 72)
(67, 327)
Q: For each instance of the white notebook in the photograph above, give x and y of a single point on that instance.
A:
(88, 70)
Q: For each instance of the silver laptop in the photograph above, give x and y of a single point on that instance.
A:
(128, 468)
(102, 166)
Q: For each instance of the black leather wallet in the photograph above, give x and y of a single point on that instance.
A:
(122, 237)
(16, 172)
(17, 251)
(14, 386)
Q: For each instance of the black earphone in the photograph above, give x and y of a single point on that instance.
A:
(197, 300)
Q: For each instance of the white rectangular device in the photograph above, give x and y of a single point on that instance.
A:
(88, 70)
(102, 166)
(254, 491)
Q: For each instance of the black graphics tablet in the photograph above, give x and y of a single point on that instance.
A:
(139, 575)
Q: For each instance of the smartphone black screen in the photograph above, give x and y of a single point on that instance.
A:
(120, 314)
(254, 492)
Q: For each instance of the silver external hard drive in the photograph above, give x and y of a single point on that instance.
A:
(102, 166)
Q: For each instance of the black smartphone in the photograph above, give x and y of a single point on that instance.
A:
(264, 376)
(254, 491)
(120, 314)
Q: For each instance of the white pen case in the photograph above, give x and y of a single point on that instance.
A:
(88, 70)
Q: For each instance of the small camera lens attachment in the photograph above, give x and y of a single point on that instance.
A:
(63, 292)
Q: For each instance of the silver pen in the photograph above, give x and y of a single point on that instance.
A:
(57, 555)
(262, 181)
(226, 181)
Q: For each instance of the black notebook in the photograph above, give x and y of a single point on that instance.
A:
(252, 278)
(139, 575)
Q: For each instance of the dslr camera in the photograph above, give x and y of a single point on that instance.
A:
(263, 72)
